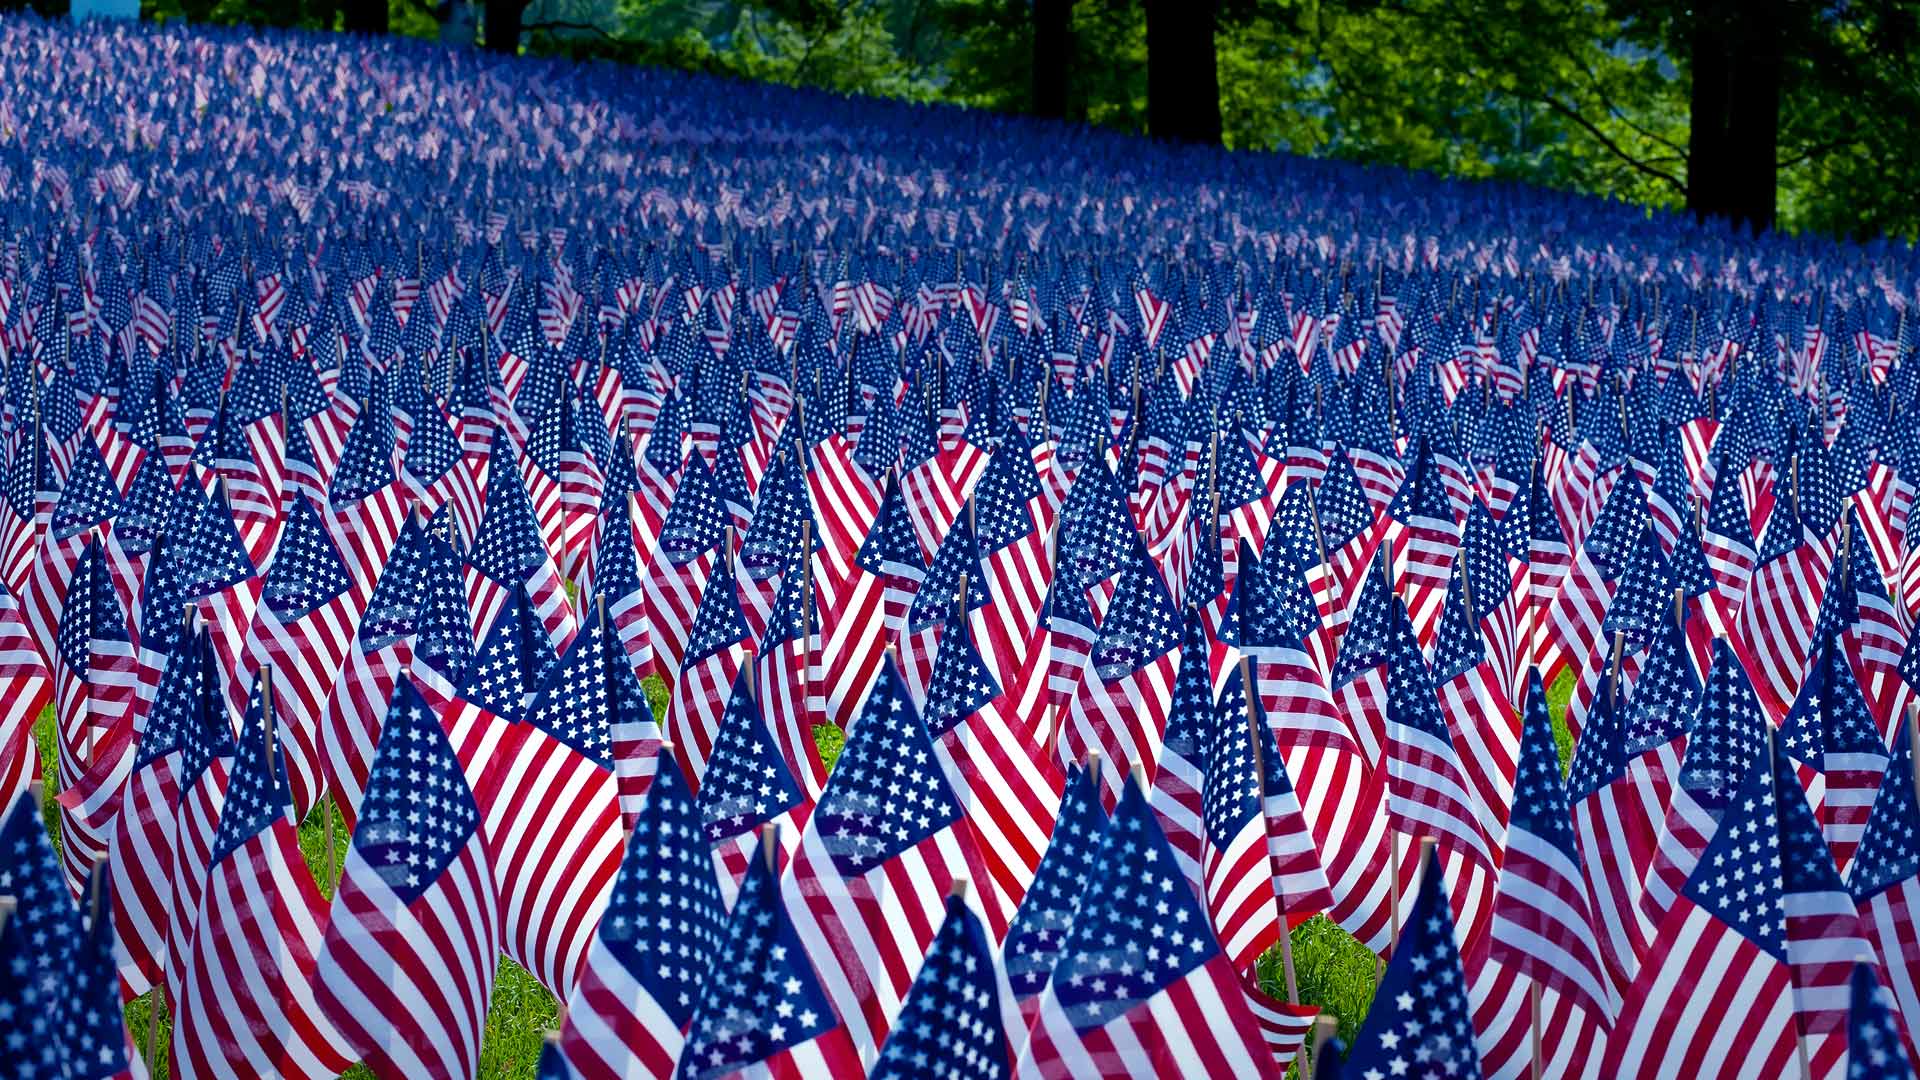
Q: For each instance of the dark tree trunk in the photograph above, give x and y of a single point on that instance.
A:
(1738, 51)
(1183, 82)
(364, 16)
(1052, 55)
(502, 29)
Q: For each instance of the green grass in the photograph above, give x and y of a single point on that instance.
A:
(1332, 969)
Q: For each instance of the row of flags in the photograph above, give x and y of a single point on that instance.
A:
(1167, 595)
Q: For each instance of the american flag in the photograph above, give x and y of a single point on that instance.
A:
(508, 556)
(366, 502)
(221, 581)
(884, 844)
(763, 1011)
(787, 669)
(1180, 775)
(406, 967)
(1008, 786)
(1823, 930)
(718, 646)
(246, 1005)
(1120, 706)
(1260, 872)
(747, 788)
(1039, 930)
(1884, 878)
(675, 581)
(1427, 789)
(1122, 999)
(302, 631)
(1724, 939)
(1421, 1021)
(93, 674)
(1725, 734)
(207, 751)
(550, 800)
(960, 1008)
(376, 659)
(1543, 927)
(1831, 737)
(654, 948)
(1426, 542)
(140, 859)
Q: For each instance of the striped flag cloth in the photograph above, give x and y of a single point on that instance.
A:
(959, 1009)
(718, 646)
(1714, 997)
(207, 751)
(747, 787)
(1542, 926)
(763, 1012)
(1180, 777)
(1875, 1035)
(551, 809)
(883, 846)
(1726, 733)
(1823, 930)
(223, 583)
(1039, 929)
(376, 659)
(247, 1004)
(140, 861)
(1884, 879)
(1427, 789)
(654, 946)
(869, 608)
(787, 670)
(1014, 566)
(956, 563)
(25, 689)
(508, 555)
(1421, 1021)
(305, 624)
(1619, 785)
(1832, 739)
(1259, 869)
(687, 554)
(1008, 787)
(412, 940)
(1427, 542)
(366, 503)
(1123, 1000)
(1120, 706)
(93, 674)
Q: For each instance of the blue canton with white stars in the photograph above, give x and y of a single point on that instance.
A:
(887, 792)
(949, 1027)
(1420, 1023)
(418, 813)
(1039, 929)
(747, 782)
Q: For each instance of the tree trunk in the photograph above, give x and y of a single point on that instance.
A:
(1052, 55)
(1738, 51)
(503, 25)
(364, 16)
(1183, 82)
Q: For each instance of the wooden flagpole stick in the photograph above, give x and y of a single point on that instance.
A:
(1619, 652)
(1324, 1027)
(1260, 791)
(1535, 1028)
